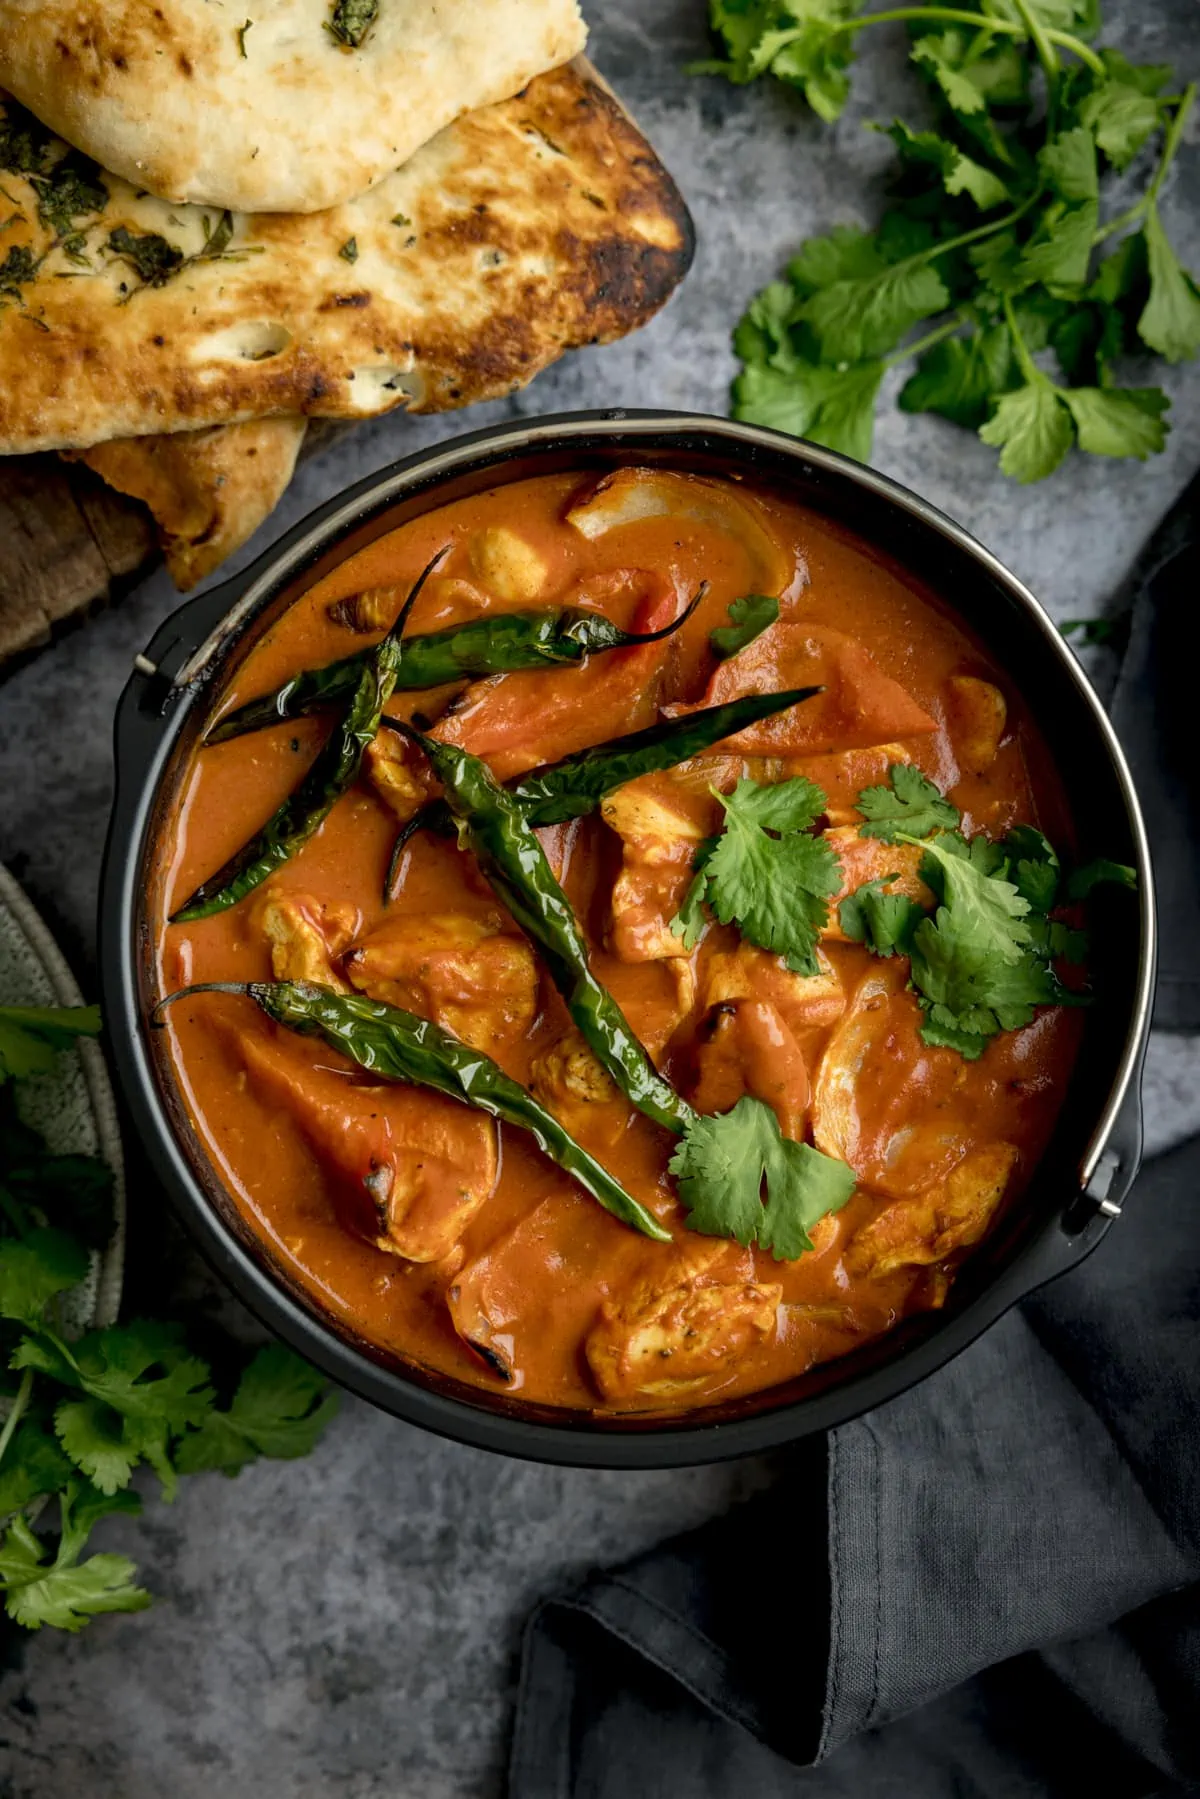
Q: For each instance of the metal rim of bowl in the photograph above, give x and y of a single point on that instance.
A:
(657, 1441)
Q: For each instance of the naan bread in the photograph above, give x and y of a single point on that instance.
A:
(259, 107)
(523, 230)
(208, 490)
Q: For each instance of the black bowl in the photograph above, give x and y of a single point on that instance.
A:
(1080, 1183)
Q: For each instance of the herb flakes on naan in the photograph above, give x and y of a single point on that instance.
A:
(525, 229)
(289, 106)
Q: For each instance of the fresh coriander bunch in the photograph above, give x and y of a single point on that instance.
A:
(993, 249)
(79, 1414)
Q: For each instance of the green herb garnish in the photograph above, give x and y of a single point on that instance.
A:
(992, 248)
(351, 20)
(82, 1414)
(240, 35)
(18, 268)
(749, 617)
(349, 250)
(766, 872)
(725, 1164)
(154, 259)
(912, 804)
(982, 962)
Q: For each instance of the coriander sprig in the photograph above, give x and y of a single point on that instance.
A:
(86, 1412)
(988, 250)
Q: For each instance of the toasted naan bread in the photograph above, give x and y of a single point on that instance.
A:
(523, 230)
(208, 490)
(269, 107)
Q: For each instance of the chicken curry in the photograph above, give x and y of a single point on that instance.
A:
(654, 972)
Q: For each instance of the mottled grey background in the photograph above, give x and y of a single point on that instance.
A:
(348, 1626)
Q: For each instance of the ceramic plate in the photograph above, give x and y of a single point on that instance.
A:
(73, 1105)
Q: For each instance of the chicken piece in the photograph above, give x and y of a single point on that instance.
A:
(632, 494)
(660, 828)
(804, 1002)
(374, 609)
(305, 935)
(895, 1109)
(567, 1073)
(656, 997)
(745, 1047)
(460, 969)
(409, 1168)
(843, 776)
(684, 1325)
(866, 859)
(508, 566)
(508, 1303)
(399, 774)
(520, 720)
(976, 716)
(933, 1224)
(859, 707)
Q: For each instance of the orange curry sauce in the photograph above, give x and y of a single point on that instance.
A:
(479, 1239)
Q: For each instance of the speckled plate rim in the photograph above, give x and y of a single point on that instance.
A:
(59, 987)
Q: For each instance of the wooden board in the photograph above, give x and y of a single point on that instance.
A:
(68, 544)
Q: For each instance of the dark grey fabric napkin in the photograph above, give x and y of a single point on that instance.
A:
(990, 1587)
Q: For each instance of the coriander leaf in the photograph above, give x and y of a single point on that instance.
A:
(351, 20)
(803, 1186)
(690, 920)
(830, 406)
(1119, 421)
(939, 1031)
(912, 805)
(763, 333)
(719, 1168)
(959, 173)
(115, 1365)
(63, 1593)
(1032, 429)
(91, 1433)
(1092, 874)
(958, 377)
(722, 1163)
(815, 61)
(1170, 322)
(776, 888)
(1146, 78)
(33, 1464)
(280, 1409)
(986, 906)
(154, 259)
(884, 921)
(1121, 118)
(856, 320)
(1122, 273)
(1059, 253)
(1086, 341)
(34, 1268)
(792, 805)
(29, 1035)
(937, 53)
(749, 617)
(1068, 164)
(846, 253)
(1034, 866)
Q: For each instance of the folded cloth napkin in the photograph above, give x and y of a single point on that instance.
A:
(991, 1586)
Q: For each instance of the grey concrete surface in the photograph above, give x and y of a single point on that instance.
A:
(348, 1626)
